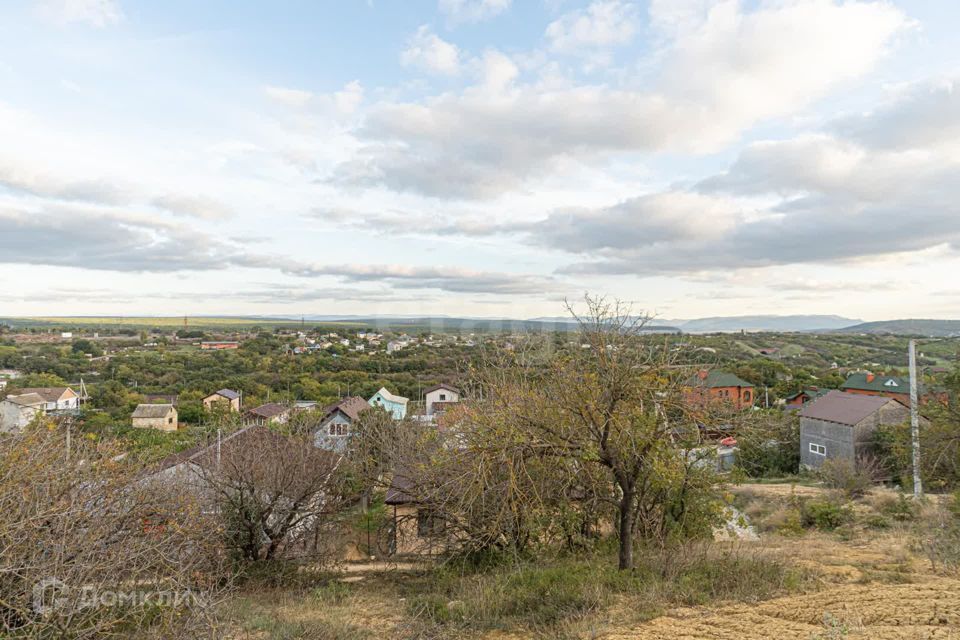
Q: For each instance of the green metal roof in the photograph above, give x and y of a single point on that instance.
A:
(716, 378)
(888, 384)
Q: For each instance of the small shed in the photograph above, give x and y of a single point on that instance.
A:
(162, 417)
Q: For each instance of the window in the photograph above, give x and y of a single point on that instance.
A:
(818, 449)
(443, 397)
(891, 383)
(339, 429)
(746, 396)
(169, 420)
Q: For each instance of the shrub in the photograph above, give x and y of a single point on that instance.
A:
(902, 509)
(825, 515)
(851, 477)
(938, 537)
(786, 521)
(877, 521)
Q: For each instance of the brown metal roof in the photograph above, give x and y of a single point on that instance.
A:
(351, 407)
(49, 394)
(401, 490)
(269, 410)
(442, 385)
(843, 408)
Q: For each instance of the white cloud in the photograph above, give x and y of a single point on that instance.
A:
(192, 206)
(460, 11)
(497, 71)
(96, 13)
(604, 23)
(343, 102)
(733, 71)
(427, 51)
(289, 97)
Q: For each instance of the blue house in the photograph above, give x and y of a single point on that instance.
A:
(396, 405)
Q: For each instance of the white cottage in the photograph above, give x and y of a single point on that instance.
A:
(440, 397)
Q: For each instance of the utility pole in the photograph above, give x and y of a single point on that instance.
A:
(915, 421)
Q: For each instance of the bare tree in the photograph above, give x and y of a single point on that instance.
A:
(271, 490)
(88, 548)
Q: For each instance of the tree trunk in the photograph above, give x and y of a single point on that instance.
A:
(625, 530)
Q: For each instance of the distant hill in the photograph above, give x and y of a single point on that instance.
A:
(765, 323)
(929, 328)
(449, 323)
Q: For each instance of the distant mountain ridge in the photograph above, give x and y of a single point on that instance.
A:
(765, 323)
(921, 327)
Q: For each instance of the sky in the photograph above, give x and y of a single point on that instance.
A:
(479, 157)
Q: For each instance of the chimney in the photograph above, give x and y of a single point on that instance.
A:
(702, 374)
(871, 377)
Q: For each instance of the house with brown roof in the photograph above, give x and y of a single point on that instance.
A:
(439, 398)
(415, 528)
(841, 425)
(270, 413)
(225, 398)
(335, 425)
(55, 399)
(162, 417)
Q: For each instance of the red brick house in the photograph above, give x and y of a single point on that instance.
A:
(805, 396)
(720, 386)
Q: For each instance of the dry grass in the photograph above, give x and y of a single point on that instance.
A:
(860, 570)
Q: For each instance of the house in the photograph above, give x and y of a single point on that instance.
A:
(224, 397)
(414, 529)
(162, 417)
(439, 398)
(396, 405)
(719, 386)
(219, 345)
(841, 425)
(804, 396)
(335, 425)
(55, 399)
(393, 346)
(270, 413)
(16, 412)
(874, 385)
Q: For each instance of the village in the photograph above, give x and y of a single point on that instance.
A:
(377, 455)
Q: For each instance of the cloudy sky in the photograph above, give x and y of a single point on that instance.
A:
(479, 157)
